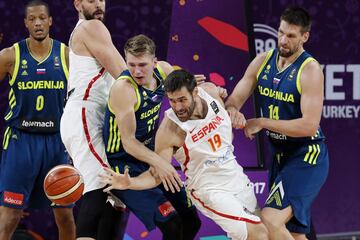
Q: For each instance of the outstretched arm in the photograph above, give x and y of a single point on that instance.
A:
(119, 181)
(243, 91)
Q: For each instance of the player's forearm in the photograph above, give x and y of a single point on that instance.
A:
(140, 152)
(237, 100)
(293, 128)
(144, 181)
(233, 102)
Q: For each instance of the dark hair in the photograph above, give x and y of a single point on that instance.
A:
(178, 79)
(297, 16)
(139, 45)
(35, 3)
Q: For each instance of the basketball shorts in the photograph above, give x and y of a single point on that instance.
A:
(26, 159)
(231, 210)
(297, 174)
(81, 132)
(151, 205)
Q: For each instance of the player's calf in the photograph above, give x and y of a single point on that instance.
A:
(9, 219)
(65, 222)
(257, 231)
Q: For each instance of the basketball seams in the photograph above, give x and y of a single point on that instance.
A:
(47, 187)
(63, 184)
(68, 192)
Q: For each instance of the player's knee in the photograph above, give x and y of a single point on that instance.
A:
(258, 232)
(272, 223)
(172, 229)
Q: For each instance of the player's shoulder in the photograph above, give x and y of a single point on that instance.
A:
(117, 96)
(313, 64)
(260, 58)
(123, 86)
(169, 131)
(7, 55)
(165, 67)
(210, 88)
(94, 27)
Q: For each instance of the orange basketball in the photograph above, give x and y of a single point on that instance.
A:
(63, 185)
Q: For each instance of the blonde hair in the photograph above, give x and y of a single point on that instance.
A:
(140, 45)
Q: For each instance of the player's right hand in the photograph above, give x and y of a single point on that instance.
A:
(238, 120)
(168, 176)
(115, 180)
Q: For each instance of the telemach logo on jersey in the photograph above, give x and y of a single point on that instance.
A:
(38, 124)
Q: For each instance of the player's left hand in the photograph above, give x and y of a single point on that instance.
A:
(115, 180)
(200, 78)
(252, 127)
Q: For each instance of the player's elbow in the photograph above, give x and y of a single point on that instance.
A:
(128, 145)
(310, 130)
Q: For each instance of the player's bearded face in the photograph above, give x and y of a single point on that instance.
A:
(183, 104)
(91, 11)
(290, 39)
(98, 14)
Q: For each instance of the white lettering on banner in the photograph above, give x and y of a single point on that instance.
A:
(259, 187)
(334, 90)
(264, 44)
(341, 111)
(355, 69)
(333, 82)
